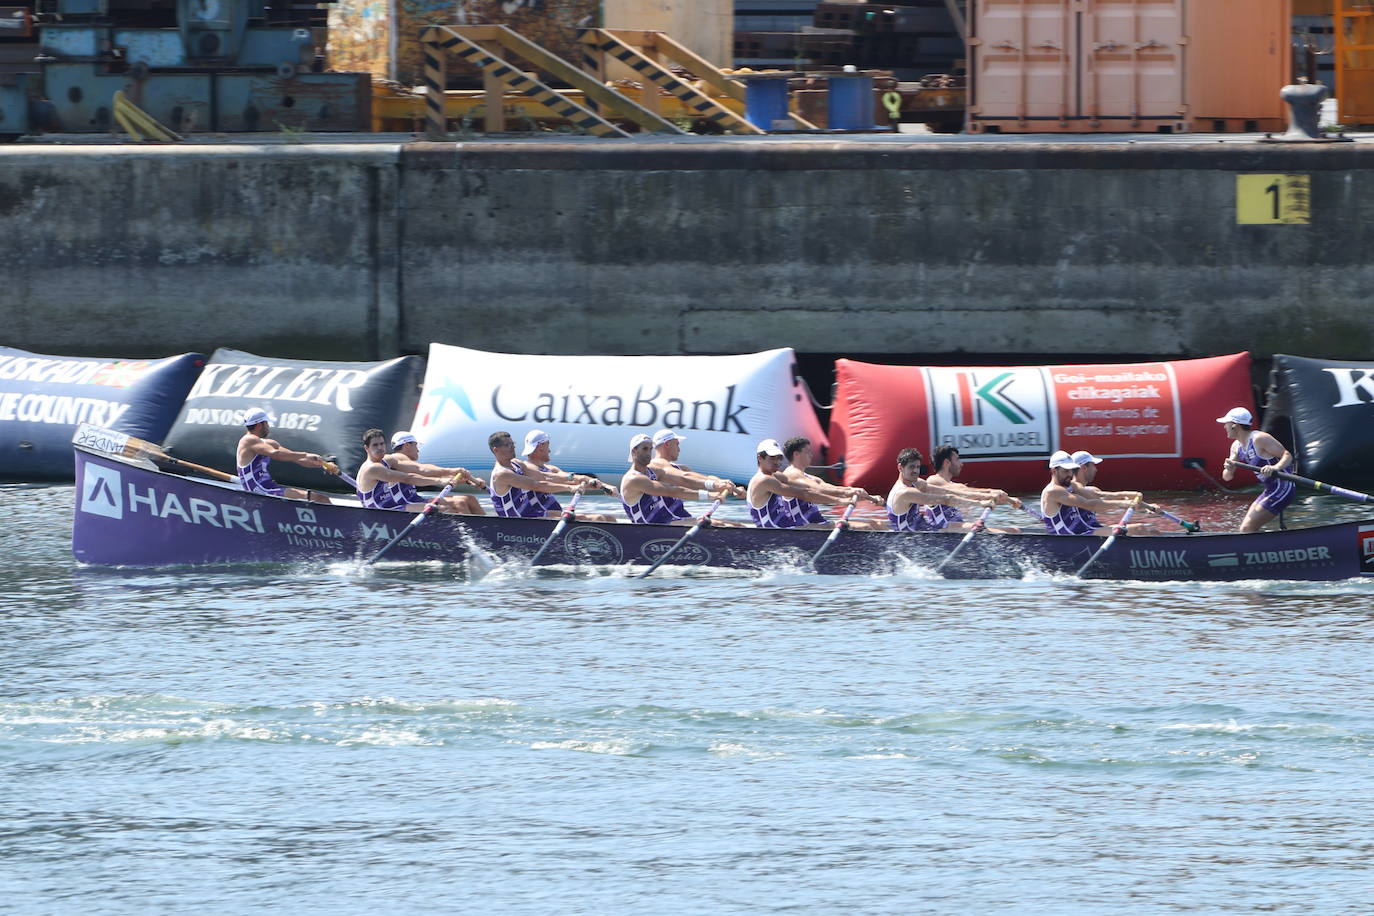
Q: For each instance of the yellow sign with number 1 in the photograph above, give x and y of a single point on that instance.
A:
(1273, 200)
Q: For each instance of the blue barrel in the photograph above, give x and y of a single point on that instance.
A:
(851, 103)
(765, 100)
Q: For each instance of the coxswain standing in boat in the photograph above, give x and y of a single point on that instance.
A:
(382, 485)
(948, 466)
(770, 494)
(799, 455)
(405, 456)
(645, 496)
(255, 451)
(537, 451)
(667, 451)
(1254, 446)
(516, 486)
(910, 494)
(1068, 509)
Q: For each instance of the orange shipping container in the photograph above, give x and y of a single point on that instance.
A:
(1168, 66)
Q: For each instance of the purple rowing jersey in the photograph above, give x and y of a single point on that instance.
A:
(546, 499)
(913, 519)
(650, 509)
(804, 512)
(1069, 519)
(776, 513)
(255, 479)
(1278, 493)
(943, 516)
(388, 495)
(517, 502)
(676, 507)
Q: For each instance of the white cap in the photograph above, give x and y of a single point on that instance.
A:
(1083, 459)
(667, 435)
(533, 439)
(1061, 459)
(255, 415)
(769, 447)
(637, 440)
(1237, 415)
(403, 437)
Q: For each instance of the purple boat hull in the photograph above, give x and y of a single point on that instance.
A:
(128, 513)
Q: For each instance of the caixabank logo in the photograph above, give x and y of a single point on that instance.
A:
(985, 413)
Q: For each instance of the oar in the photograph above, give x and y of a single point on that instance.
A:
(841, 525)
(558, 529)
(978, 526)
(1188, 526)
(1314, 484)
(1111, 539)
(700, 523)
(135, 447)
(331, 467)
(419, 517)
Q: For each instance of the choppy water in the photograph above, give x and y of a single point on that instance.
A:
(421, 739)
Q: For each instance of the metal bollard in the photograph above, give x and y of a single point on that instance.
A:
(1304, 112)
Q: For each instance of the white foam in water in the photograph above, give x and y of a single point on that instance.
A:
(388, 737)
(732, 749)
(618, 747)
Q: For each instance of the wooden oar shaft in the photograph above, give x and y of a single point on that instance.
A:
(700, 523)
(141, 448)
(841, 525)
(557, 529)
(978, 526)
(1317, 485)
(1188, 526)
(423, 514)
(1106, 545)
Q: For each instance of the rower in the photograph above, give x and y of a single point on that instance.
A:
(381, 485)
(667, 451)
(908, 496)
(770, 494)
(1085, 472)
(799, 455)
(644, 495)
(1254, 446)
(255, 451)
(948, 466)
(514, 485)
(405, 456)
(1069, 510)
(537, 451)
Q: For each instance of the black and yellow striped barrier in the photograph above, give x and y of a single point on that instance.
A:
(439, 40)
(702, 106)
(465, 42)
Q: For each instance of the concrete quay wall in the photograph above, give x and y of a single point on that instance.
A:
(657, 246)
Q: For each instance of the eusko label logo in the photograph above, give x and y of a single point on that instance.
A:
(990, 412)
(101, 492)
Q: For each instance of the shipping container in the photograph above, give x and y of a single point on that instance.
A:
(1084, 66)
(1354, 27)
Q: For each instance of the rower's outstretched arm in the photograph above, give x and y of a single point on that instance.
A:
(791, 490)
(530, 482)
(663, 488)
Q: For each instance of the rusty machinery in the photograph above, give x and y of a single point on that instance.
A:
(194, 65)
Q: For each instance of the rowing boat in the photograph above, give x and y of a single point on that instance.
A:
(129, 512)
